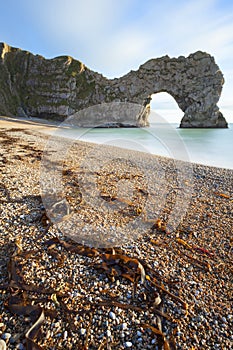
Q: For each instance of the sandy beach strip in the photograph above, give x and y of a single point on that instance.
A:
(163, 279)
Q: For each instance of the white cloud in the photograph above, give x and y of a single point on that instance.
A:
(76, 20)
(113, 37)
(110, 35)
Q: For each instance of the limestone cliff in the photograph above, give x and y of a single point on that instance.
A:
(58, 87)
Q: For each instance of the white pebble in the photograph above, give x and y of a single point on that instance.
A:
(20, 346)
(82, 331)
(48, 334)
(128, 344)
(108, 333)
(112, 315)
(2, 345)
(124, 326)
(65, 335)
(157, 300)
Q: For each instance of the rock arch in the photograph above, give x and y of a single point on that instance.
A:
(194, 82)
(59, 87)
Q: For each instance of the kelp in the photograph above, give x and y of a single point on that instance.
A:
(4, 192)
(185, 244)
(105, 344)
(197, 262)
(19, 306)
(112, 261)
(73, 247)
(203, 251)
(158, 225)
(16, 279)
(173, 296)
(22, 306)
(32, 333)
(194, 247)
(162, 341)
(223, 195)
(129, 267)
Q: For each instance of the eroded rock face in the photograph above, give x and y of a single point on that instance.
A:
(34, 86)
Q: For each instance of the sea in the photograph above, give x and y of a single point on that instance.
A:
(212, 147)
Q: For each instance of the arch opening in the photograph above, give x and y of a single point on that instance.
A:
(165, 105)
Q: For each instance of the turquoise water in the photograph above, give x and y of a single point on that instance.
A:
(205, 146)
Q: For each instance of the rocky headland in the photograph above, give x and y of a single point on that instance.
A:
(31, 85)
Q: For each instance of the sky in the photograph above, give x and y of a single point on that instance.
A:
(113, 37)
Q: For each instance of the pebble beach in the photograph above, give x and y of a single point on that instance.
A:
(148, 264)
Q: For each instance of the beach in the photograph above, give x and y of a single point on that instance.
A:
(131, 250)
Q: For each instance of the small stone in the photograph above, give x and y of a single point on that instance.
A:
(20, 346)
(108, 333)
(124, 326)
(65, 335)
(2, 344)
(139, 334)
(128, 344)
(6, 336)
(157, 300)
(82, 331)
(48, 334)
(112, 315)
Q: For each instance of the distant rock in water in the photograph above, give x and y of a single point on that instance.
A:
(31, 85)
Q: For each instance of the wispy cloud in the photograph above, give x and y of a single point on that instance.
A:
(114, 36)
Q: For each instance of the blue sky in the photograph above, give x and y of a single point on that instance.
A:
(115, 36)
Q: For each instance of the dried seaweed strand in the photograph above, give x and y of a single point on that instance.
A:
(173, 296)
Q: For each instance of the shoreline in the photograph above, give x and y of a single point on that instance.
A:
(50, 127)
(94, 297)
